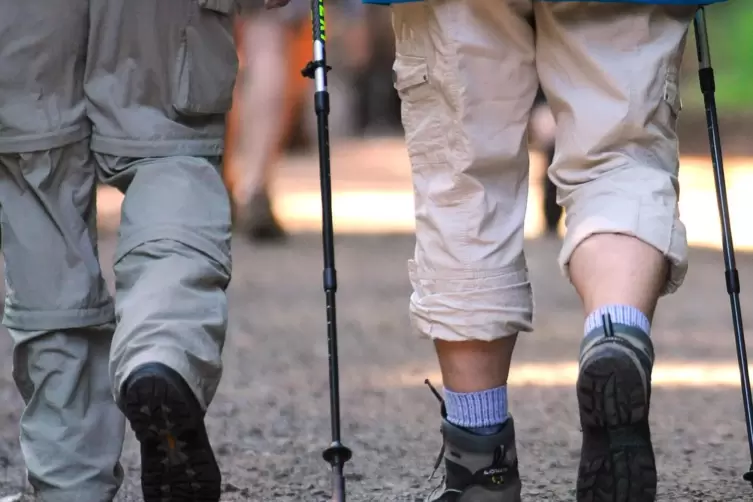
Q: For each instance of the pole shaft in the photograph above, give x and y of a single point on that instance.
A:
(336, 454)
(706, 78)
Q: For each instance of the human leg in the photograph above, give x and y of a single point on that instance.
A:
(161, 146)
(57, 307)
(466, 138)
(616, 172)
(60, 316)
(543, 127)
(259, 221)
(552, 209)
(263, 103)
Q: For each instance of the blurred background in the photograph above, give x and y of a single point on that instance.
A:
(262, 154)
(270, 419)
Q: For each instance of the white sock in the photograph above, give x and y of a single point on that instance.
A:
(626, 315)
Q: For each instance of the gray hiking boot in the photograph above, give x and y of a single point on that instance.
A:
(614, 393)
(477, 468)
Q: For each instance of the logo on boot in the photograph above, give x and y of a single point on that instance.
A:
(495, 471)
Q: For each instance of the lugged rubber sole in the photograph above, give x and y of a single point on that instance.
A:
(177, 462)
(617, 458)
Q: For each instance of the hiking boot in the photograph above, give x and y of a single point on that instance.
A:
(177, 462)
(259, 221)
(614, 392)
(478, 468)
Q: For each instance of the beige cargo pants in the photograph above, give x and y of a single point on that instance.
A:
(467, 73)
(135, 92)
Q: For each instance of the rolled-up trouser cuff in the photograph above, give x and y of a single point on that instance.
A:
(189, 147)
(634, 201)
(464, 305)
(213, 248)
(44, 141)
(84, 493)
(38, 320)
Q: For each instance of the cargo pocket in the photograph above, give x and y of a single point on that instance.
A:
(420, 116)
(410, 75)
(207, 61)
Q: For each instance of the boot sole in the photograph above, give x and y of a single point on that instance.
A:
(617, 458)
(177, 462)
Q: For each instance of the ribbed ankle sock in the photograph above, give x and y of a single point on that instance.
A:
(619, 314)
(483, 413)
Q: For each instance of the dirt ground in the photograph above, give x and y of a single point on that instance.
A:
(270, 420)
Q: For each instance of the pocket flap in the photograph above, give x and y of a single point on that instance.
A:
(221, 6)
(409, 71)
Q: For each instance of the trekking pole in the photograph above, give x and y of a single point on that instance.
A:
(708, 88)
(337, 454)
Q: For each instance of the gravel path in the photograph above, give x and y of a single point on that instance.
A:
(270, 419)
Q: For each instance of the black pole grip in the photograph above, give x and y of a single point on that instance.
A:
(706, 78)
(330, 280)
(321, 102)
(733, 281)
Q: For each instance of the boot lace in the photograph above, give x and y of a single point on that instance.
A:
(438, 461)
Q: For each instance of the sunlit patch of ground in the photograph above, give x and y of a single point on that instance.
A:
(556, 374)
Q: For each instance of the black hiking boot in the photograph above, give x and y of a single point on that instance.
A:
(177, 462)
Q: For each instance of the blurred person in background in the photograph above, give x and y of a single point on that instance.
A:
(377, 103)
(272, 49)
(274, 46)
(543, 131)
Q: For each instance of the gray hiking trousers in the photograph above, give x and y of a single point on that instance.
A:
(132, 92)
